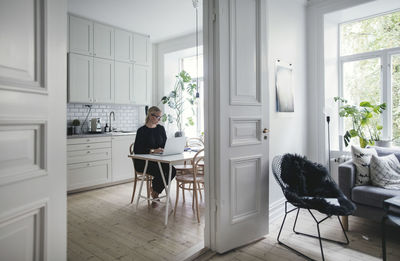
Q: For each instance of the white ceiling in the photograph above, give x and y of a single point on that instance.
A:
(161, 19)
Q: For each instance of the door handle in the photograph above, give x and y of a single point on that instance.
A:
(266, 130)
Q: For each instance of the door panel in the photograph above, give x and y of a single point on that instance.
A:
(80, 78)
(241, 105)
(33, 47)
(80, 35)
(103, 80)
(103, 41)
(123, 82)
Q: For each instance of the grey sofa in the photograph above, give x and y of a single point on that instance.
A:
(368, 199)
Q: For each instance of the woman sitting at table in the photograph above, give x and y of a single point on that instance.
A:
(150, 139)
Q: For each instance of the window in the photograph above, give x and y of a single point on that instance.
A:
(196, 113)
(370, 67)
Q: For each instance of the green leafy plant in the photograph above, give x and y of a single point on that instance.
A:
(184, 92)
(364, 125)
(76, 122)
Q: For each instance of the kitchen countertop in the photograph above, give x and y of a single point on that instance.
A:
(102, 134)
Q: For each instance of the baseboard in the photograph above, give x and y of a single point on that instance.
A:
(276, 209)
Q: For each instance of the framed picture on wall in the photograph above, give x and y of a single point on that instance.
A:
(284, 86)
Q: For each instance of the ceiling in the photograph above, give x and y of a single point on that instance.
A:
(161, 19)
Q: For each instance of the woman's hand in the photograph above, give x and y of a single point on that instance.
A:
(158, 151)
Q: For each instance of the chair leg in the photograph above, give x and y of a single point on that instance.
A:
(177, 196)
(148, 191)
(183, 192)
(134, 189)
(383, 238)
(199, 189)
(196, 199)
(345, 221)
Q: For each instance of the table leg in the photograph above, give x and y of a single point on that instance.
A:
(167, 189)
(141, 183)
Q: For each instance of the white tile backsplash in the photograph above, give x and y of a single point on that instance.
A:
(127, 117)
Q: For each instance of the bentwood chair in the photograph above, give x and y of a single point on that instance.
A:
(138, 176)
(194, 180)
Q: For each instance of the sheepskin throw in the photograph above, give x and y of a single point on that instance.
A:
(309, 185)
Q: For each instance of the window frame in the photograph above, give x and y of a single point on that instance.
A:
(386, 83)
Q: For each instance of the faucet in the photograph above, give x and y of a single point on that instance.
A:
(110, 119)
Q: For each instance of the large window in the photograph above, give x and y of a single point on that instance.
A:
(370, 67)
(195, 113)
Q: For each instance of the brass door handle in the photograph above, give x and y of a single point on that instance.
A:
(266, 130)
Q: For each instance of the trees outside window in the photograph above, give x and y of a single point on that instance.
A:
(370, 67)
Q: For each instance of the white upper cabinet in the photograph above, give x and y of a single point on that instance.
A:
(80, 78)
(141, 49)
(141, 84)
(103, 41)
(80, 35)
(123, 45)
(123, 83)
(103, 80)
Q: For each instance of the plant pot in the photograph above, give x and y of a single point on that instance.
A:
(180, 134)
(75, 129)
(383, 143)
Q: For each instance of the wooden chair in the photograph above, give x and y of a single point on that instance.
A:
(139, 176)
(194, 180)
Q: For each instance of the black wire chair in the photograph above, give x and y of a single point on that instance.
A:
(308, 200)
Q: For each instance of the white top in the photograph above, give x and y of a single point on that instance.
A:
(164, 159)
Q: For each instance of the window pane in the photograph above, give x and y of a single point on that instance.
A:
(189, 65)
(372, 34)
(361, 82)
(396, 97)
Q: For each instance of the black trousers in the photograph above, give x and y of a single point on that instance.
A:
(154, 170)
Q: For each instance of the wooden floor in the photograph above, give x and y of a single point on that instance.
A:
(102, 225)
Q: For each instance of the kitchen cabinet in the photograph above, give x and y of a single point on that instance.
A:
(80, 78)
(103, 41)
(103, 81)
(88, 162)
(123, 46)
(122, 166)
(123, 83)
(141, 49)
(80, 35)
(141, 84)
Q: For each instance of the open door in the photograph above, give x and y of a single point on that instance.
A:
(237, 124)
(33, 129)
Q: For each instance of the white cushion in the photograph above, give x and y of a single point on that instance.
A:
(385, 171)
(362, 158)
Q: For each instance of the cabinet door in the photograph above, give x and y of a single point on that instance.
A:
(80, 75)
(103, 41)
(123, 83)
(141, 85)
(88, 174)
(80, 35)
(141, 49)
(103, 81)
(123, 46)
(122, 166)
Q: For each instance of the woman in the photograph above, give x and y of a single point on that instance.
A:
(150, 139)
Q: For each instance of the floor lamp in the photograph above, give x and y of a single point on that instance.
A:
(328, 119)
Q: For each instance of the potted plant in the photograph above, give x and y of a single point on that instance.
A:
(184, 93)
(365, 126)
(75, 124)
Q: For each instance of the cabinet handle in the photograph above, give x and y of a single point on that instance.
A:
(88, 151)
(94, 54)
(95, 100)
(87, 140)
(88, 164)
(88, 146)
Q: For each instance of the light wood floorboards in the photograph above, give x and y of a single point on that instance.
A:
(102, 225)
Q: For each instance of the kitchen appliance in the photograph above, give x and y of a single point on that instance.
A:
(95, 125)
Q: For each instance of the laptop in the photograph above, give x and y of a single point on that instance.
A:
(173, 146)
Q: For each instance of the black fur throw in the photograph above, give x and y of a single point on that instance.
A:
(308, 183)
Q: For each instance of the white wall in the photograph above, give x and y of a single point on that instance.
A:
(287, 42)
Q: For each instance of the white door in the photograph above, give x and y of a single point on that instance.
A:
(237, 115)
(80, 78)
(141, 84)
(103, 41)
(103, 80)
(123, 82)
(33, 47)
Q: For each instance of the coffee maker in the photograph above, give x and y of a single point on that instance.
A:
(95, 125)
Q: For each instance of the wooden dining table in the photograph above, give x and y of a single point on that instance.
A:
(170, 159)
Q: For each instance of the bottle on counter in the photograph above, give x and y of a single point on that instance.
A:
(106, 128)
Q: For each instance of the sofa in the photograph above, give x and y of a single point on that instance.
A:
(368, 199)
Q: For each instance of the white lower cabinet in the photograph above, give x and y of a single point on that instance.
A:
(122, 166)
(98, 161)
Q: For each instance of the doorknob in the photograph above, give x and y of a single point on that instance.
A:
(265, 130)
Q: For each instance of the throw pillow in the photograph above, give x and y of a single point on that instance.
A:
(385, 171)
(361, 158)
